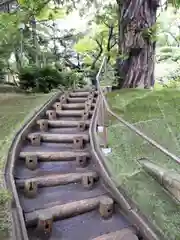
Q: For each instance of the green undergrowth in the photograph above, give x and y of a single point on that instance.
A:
(157, 114)
(15, 109)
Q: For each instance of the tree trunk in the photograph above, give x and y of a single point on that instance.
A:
(34, 38)
(137, 46)
(17, 58)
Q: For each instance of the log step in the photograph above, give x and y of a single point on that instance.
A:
(80, 94)
(80, 127)
(35, 138)
(87, 89)
(58, 179)
(68, 123)
(76, 100)
(74, 106)
(66, 210)
(71, 113)
(124, 234)
(56, 172)
(56, 156)
(61, 125)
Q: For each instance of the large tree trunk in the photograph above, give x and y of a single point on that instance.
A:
(136, 68)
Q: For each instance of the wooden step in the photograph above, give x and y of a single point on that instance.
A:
(68, 123)
(57, 179)
(68, 210)
(33, 158)
(76, 100)
(86, 89)
(71, 113)
(77, 106)
(124, 234)
(44, 125)
(79, 94)
(72, 106)
(56, 156)
(57, 138)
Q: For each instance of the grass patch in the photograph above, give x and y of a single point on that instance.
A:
(156, 113)
(6, 88)
(15, 109)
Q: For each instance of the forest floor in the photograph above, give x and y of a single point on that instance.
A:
(15, 109)
(157, 114)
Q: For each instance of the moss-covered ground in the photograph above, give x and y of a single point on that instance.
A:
(157, 114)
(15, 109)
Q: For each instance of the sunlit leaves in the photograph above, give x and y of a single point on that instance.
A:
(85, 45)
(51, 14)
(88, 60)
(9, 25)
(42, 9)
(107, 15)
(175, 3)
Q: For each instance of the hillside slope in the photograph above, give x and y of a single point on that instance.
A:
(156, 113)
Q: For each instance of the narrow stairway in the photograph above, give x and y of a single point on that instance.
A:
(59, 188)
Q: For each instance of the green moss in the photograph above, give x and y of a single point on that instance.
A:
(157, 114)
(15, 109)
(150, 34)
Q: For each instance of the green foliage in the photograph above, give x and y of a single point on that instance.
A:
(168, 53)
(32, 78)
(166, 49)
(101, 38)
(168, 31)
(85, 45)
(4, 196)
(35, 79)
(175, 3)
(173, 80)
(73, 78)
(174, 84)
(150, 34)
(164, 56)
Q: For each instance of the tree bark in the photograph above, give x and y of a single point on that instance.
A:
(136, 67)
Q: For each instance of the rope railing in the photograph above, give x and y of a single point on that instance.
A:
(138, 165)
(106, 108)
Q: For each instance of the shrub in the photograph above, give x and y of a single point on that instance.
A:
(173, 80)
(73, 77)
(32, 78)
(173, 83)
